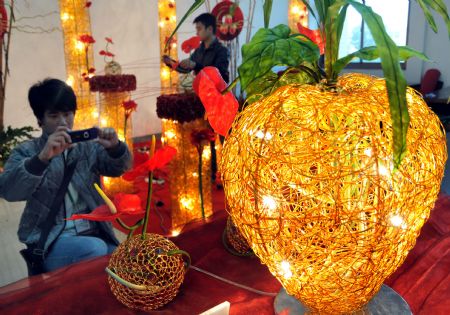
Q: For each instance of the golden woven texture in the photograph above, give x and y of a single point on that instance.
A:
(112, 115)
(144, 262)
(75, 21)
(184, 175)
(309, 179)
(235, 240)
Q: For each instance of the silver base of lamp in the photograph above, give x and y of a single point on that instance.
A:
(387, 301)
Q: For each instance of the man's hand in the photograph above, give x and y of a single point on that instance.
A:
(56, 143)
(187, 64)
(108, 138)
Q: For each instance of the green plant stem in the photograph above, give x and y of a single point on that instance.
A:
(200, 182)
(132, 228)
(147, 206)
(231, 86)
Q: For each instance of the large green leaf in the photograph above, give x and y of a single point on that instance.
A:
(440, 8)
(271, 81)
(333, 29)
(395, 81)
(267, 11)
(373, 52)
(191, 10)
(274, 47)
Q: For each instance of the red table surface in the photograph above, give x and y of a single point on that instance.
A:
(423, 280)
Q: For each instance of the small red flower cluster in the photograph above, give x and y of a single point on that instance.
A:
(113, 83)
(86, 39)
(129, 106)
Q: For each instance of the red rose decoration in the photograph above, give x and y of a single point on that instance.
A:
(221, 109)
(190, 44)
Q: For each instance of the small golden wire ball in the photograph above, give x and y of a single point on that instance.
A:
(309, 179)
(233, 240)
(146, 262)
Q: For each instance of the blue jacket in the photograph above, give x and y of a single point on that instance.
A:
(26, 178)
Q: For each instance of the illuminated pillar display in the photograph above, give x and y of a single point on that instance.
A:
(79, 58)
(167, 23)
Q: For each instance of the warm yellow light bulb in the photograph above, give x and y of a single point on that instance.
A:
(70, 81)
(295, 9)
(165, 74)
(103, 122)
(65, 16)
(170, 134)
(79, 45)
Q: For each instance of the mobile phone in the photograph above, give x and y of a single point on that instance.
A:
(83, 135)
(170, 62)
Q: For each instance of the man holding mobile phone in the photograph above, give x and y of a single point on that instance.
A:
(56, 179)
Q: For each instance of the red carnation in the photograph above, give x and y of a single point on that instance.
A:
(109, 40)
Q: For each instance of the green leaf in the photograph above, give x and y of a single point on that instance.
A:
(372, 53)
(428, 15)
(340, 22)
(271, 81)
(191, 10)
(395, 81)
(267, 11)
(440, 8)
(333, 27)
(274, 47)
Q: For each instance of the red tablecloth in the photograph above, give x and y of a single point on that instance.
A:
(423, 280)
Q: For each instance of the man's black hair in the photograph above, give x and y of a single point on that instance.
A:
(207, 19)
(51, 95)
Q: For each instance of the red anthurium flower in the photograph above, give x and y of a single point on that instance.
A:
(86, 39)
(220, 109)
(109, 40)
(314, 36)
(192, 43)
(126, 204)
(159, 160)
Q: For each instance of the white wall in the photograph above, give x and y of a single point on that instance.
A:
(133, 25)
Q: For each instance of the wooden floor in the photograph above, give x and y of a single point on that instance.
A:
(12, 266)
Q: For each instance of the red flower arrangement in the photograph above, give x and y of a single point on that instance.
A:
(220, 108)
(124, 204)
(183, 107)
(190, 44)
(113, 83)
(106, 53)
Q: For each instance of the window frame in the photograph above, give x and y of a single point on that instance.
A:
(363, 65)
